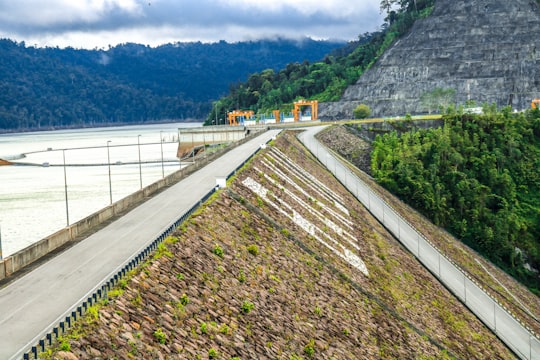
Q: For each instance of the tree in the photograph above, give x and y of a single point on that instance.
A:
(362, 111)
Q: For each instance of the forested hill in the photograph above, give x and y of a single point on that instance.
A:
(42, 88)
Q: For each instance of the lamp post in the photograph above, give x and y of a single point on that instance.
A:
(1, 243)
(161, 143)
(65, 186)
(109, 165)
(140, 168)
(193, 148)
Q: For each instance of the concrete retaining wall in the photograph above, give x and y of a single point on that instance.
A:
(90, 222)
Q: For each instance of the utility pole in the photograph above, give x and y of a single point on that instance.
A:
(65, 187)
(161, 142)
(1, 242)
(140, 168)
(109, 165)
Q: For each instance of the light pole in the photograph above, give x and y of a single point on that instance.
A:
(140, 168)
(109, 165)
(161, 143)
(1, 243)
(65, 186)
(193, 148)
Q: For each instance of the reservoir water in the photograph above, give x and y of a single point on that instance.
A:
(51, 164)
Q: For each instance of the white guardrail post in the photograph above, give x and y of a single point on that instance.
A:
(509, 329)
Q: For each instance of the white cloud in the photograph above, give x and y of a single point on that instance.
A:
(306, 6)
(99, 23)
(54, 12)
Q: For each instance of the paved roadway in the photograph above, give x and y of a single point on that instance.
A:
(33, 304)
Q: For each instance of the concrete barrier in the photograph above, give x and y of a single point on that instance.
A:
(122, 205)
(56, 240)
(2, 270)
(7, 266)
(153, 188)
(25, 257)
(90, 222)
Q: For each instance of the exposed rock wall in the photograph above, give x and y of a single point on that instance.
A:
(484, 49)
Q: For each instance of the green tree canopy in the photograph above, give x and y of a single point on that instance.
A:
(362, 111)
(478, 176)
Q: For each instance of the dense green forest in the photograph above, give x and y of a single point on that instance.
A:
(44, 88)
(478, 177)
(324, 80)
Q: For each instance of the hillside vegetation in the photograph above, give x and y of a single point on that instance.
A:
(260, 272)
(46, 88)
(324, 80)
(478, 177)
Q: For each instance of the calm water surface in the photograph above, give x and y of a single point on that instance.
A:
(33, 196)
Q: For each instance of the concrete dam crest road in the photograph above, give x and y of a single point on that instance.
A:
(33, 304)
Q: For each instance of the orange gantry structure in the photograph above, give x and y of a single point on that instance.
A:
(314, 104)
(297, 112)
(234, 115)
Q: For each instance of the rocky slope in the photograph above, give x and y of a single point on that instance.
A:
(284, 264)
(486, 50)
(348, 145)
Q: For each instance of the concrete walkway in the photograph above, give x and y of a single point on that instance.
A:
(31, 305)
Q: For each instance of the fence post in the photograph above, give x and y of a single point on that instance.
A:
(495, 316)
(418, 238)
(465, 288)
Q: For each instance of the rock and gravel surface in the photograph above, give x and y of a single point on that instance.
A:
(349, 146)
(260, 272)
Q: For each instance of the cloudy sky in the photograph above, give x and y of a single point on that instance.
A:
(100, 23)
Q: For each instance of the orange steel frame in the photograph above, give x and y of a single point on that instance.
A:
(233, 115)
(314, 109)
(277, 116)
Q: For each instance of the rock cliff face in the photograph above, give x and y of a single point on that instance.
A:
(486, 50)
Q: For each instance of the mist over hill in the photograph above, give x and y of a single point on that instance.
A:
(46, 88)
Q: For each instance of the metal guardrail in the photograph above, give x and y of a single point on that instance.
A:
(100, 292)
(516, 335)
